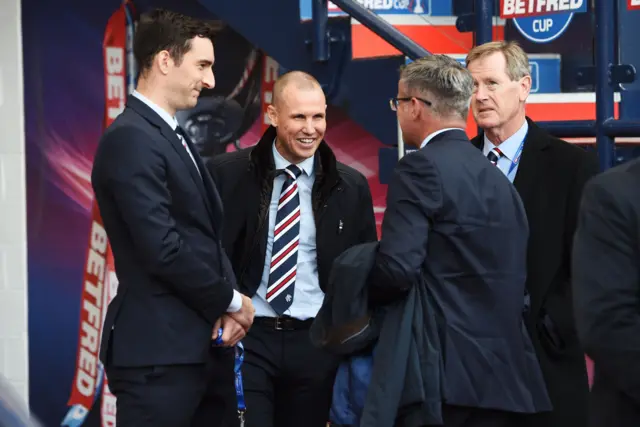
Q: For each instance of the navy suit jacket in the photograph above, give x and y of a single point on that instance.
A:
(163, 220)
(455, 218)
(606, 291)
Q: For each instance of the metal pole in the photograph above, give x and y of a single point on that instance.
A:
(483, 15)
(400, 143)
(320, 37)
(605, 11)
(382, 28)
(483, 12)
(570, 129)
(621, 128)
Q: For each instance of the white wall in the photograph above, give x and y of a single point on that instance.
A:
(13, 234)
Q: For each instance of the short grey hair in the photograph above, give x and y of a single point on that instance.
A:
(515, 57)
(442, 78)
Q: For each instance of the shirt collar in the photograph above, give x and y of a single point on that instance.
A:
(171, 121)
(434, 134)
(281, 163)
(509, 146)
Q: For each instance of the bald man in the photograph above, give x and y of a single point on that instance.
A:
(290, 210)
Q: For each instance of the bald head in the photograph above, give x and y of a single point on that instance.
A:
(297, 80)
(298, 112)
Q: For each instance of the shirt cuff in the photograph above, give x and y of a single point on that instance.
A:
(236, 302)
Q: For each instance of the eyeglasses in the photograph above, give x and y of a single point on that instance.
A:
(393, 102)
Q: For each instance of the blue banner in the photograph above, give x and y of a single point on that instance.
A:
(389, 7)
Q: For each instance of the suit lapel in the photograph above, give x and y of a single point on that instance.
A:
(215, 209)
(202, 179)
(202, 182)
(173, 138)
(527, 175)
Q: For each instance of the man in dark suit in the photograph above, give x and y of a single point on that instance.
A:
(549, 175)
(290, 210)
(163, 218)
(453, 218)
(606, 288)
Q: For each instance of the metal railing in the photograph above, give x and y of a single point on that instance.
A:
(383, 29)
(608, 73)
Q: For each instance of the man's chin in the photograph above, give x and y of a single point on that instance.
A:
(306, 151)
(189, 104)
(484, 123)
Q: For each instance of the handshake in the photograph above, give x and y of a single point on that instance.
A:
(235, 325)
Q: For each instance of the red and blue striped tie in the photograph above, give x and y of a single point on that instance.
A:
(495, 155)
(286, 236)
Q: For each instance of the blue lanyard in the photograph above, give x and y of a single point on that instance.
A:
(516, 158)
(239, 358)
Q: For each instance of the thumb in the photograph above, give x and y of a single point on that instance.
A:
(216, 328)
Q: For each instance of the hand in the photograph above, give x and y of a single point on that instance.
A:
(232, 331)
(245, 315)
(216, 328)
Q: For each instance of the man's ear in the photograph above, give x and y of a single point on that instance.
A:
(164, 61)
(525, 88)
(272, 113)
(415, 108)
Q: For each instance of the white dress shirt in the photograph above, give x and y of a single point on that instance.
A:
(509, 148)
(308, 297)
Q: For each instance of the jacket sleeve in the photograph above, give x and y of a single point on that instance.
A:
(134, 176)
(606, 282)
(368, 230)
(413, 200)
(587, 169)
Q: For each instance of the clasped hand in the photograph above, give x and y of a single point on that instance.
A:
(235, 325)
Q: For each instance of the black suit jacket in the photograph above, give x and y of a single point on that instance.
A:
(455, 218)
(341, 203)
(163, 220)
(606, 266)
(550, 179)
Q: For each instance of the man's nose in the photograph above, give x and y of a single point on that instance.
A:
(209, 81)
(481, 93)
(309, 128)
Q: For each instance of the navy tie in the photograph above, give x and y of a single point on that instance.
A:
(495, 155)
(286, 236)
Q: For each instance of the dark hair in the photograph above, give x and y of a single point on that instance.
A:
(161, 29)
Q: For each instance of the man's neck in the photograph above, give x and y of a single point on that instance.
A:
(498, 135)
(428, 130)
(150, 90)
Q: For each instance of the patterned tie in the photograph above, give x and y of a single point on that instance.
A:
(183, 137)
(495, 155)
(286, 235)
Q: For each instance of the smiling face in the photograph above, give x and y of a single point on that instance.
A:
(497, 101)
(299, 115)
(194, 73)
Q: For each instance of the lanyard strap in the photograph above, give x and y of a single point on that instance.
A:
(516, 158)
(239, 358)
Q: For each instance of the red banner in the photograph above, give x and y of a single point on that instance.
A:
(108, 410)
(633, 4)
(99, 281)
(91, 316)
(269, 76)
